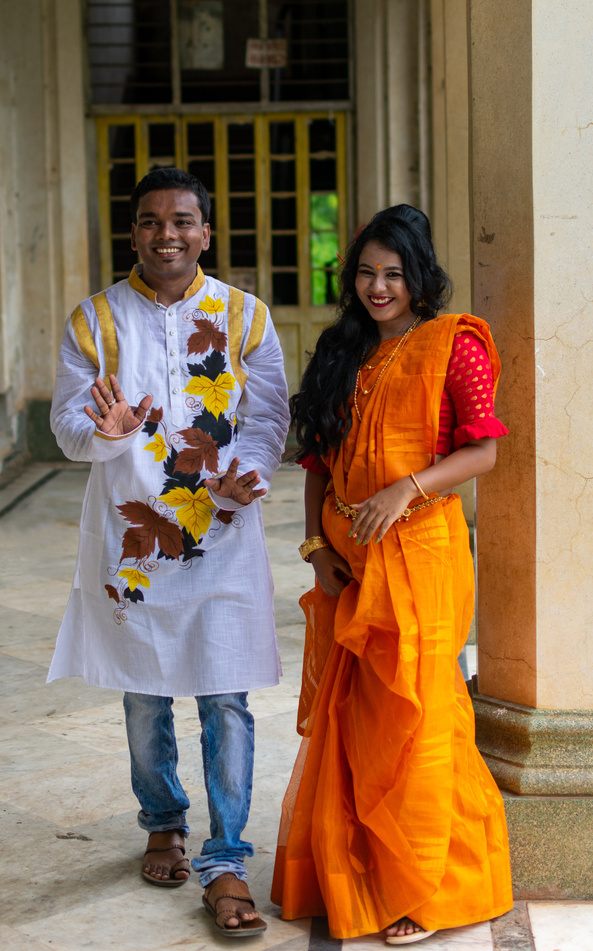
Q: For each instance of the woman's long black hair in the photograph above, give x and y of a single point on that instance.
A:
(320, 409)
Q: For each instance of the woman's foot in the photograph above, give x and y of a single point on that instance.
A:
(405, 931)
(164, 860)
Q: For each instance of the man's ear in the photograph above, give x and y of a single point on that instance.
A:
(133, 238)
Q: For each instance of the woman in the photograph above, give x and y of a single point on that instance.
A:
(392, 820)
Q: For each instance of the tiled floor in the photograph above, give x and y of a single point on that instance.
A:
(70, 843)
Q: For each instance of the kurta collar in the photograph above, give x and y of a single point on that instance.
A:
(135, 281)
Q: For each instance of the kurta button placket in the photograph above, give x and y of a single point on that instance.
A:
(175, 392)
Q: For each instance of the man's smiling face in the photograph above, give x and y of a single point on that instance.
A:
(169, 234)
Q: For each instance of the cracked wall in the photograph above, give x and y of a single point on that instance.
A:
(531, 155)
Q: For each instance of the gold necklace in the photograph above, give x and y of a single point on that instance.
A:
(394, 353)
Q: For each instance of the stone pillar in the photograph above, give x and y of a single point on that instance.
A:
(44, 265)
(531, 135)
(450, 169)
(386, 100)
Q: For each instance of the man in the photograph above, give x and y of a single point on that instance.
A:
(172, 594)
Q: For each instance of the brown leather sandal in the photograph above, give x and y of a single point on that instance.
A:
(229, 886)
(181, 866)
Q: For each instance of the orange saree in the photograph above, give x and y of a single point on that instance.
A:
(391, 811)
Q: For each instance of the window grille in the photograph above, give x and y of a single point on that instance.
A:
(194, 51)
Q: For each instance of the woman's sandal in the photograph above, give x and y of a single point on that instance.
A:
(228, 885)
(181, 866)
(409, 938)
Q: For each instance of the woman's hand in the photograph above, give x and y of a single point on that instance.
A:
(240, 489)
(115, 417)
(378, 513)
(333, 573)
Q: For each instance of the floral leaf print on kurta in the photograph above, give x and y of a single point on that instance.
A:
(149, 527)
(216, 426)
(152, 421)
(206, 336)
(216, 394)
(203, 452)
(113, 593)
(211, 305)
(159, 447)
(194, 509)
(211, 366)
(134, 578)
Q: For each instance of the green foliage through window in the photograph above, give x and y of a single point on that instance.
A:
(324, 247)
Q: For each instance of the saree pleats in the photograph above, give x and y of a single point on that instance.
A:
(391, 810)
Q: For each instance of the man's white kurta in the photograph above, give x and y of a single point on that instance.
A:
(167, 598)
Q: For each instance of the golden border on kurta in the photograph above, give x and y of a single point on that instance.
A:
(258, 325)
(108, 334)
(135, 281)
(236, 305)
(196, 285)
(84, 336)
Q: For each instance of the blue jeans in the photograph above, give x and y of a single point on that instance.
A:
(227, 752)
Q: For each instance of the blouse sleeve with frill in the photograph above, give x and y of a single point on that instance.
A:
(467, 405)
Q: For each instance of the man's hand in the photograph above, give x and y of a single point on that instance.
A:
(115, 416)
(333, 573)
(241, 489)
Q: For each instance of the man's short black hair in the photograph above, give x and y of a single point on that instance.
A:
(164, 178)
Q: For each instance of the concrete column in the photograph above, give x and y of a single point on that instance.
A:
(531, 157)
(450, 165)
(386, 100)
(44, 267)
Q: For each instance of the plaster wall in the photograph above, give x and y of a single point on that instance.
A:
(386, 101)
(450, 212)
(531, 154)
(43, 246)
(11, 339)
(562, 141)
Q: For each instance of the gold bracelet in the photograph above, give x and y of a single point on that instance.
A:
(312, 544)
(418, 486)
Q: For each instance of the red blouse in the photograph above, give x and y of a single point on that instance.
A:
(467, 404)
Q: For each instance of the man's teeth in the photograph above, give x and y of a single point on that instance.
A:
(167, 250)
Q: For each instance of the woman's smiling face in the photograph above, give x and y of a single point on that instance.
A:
(382, 289)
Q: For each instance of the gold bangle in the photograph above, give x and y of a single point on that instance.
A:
(312, 544)
(418, 486)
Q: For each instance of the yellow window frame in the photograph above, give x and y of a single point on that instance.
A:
(261, 123)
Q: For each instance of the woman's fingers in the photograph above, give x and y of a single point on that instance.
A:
(367, 523)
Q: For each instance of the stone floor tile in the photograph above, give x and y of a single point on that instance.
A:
(151, 920)
(13, 940)
(561, 926)
(47, 870)
(23, 749)
(103, 727)
(40, 596)
(71, 794)
(40, 700)
(26, 635)
(18, 675)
